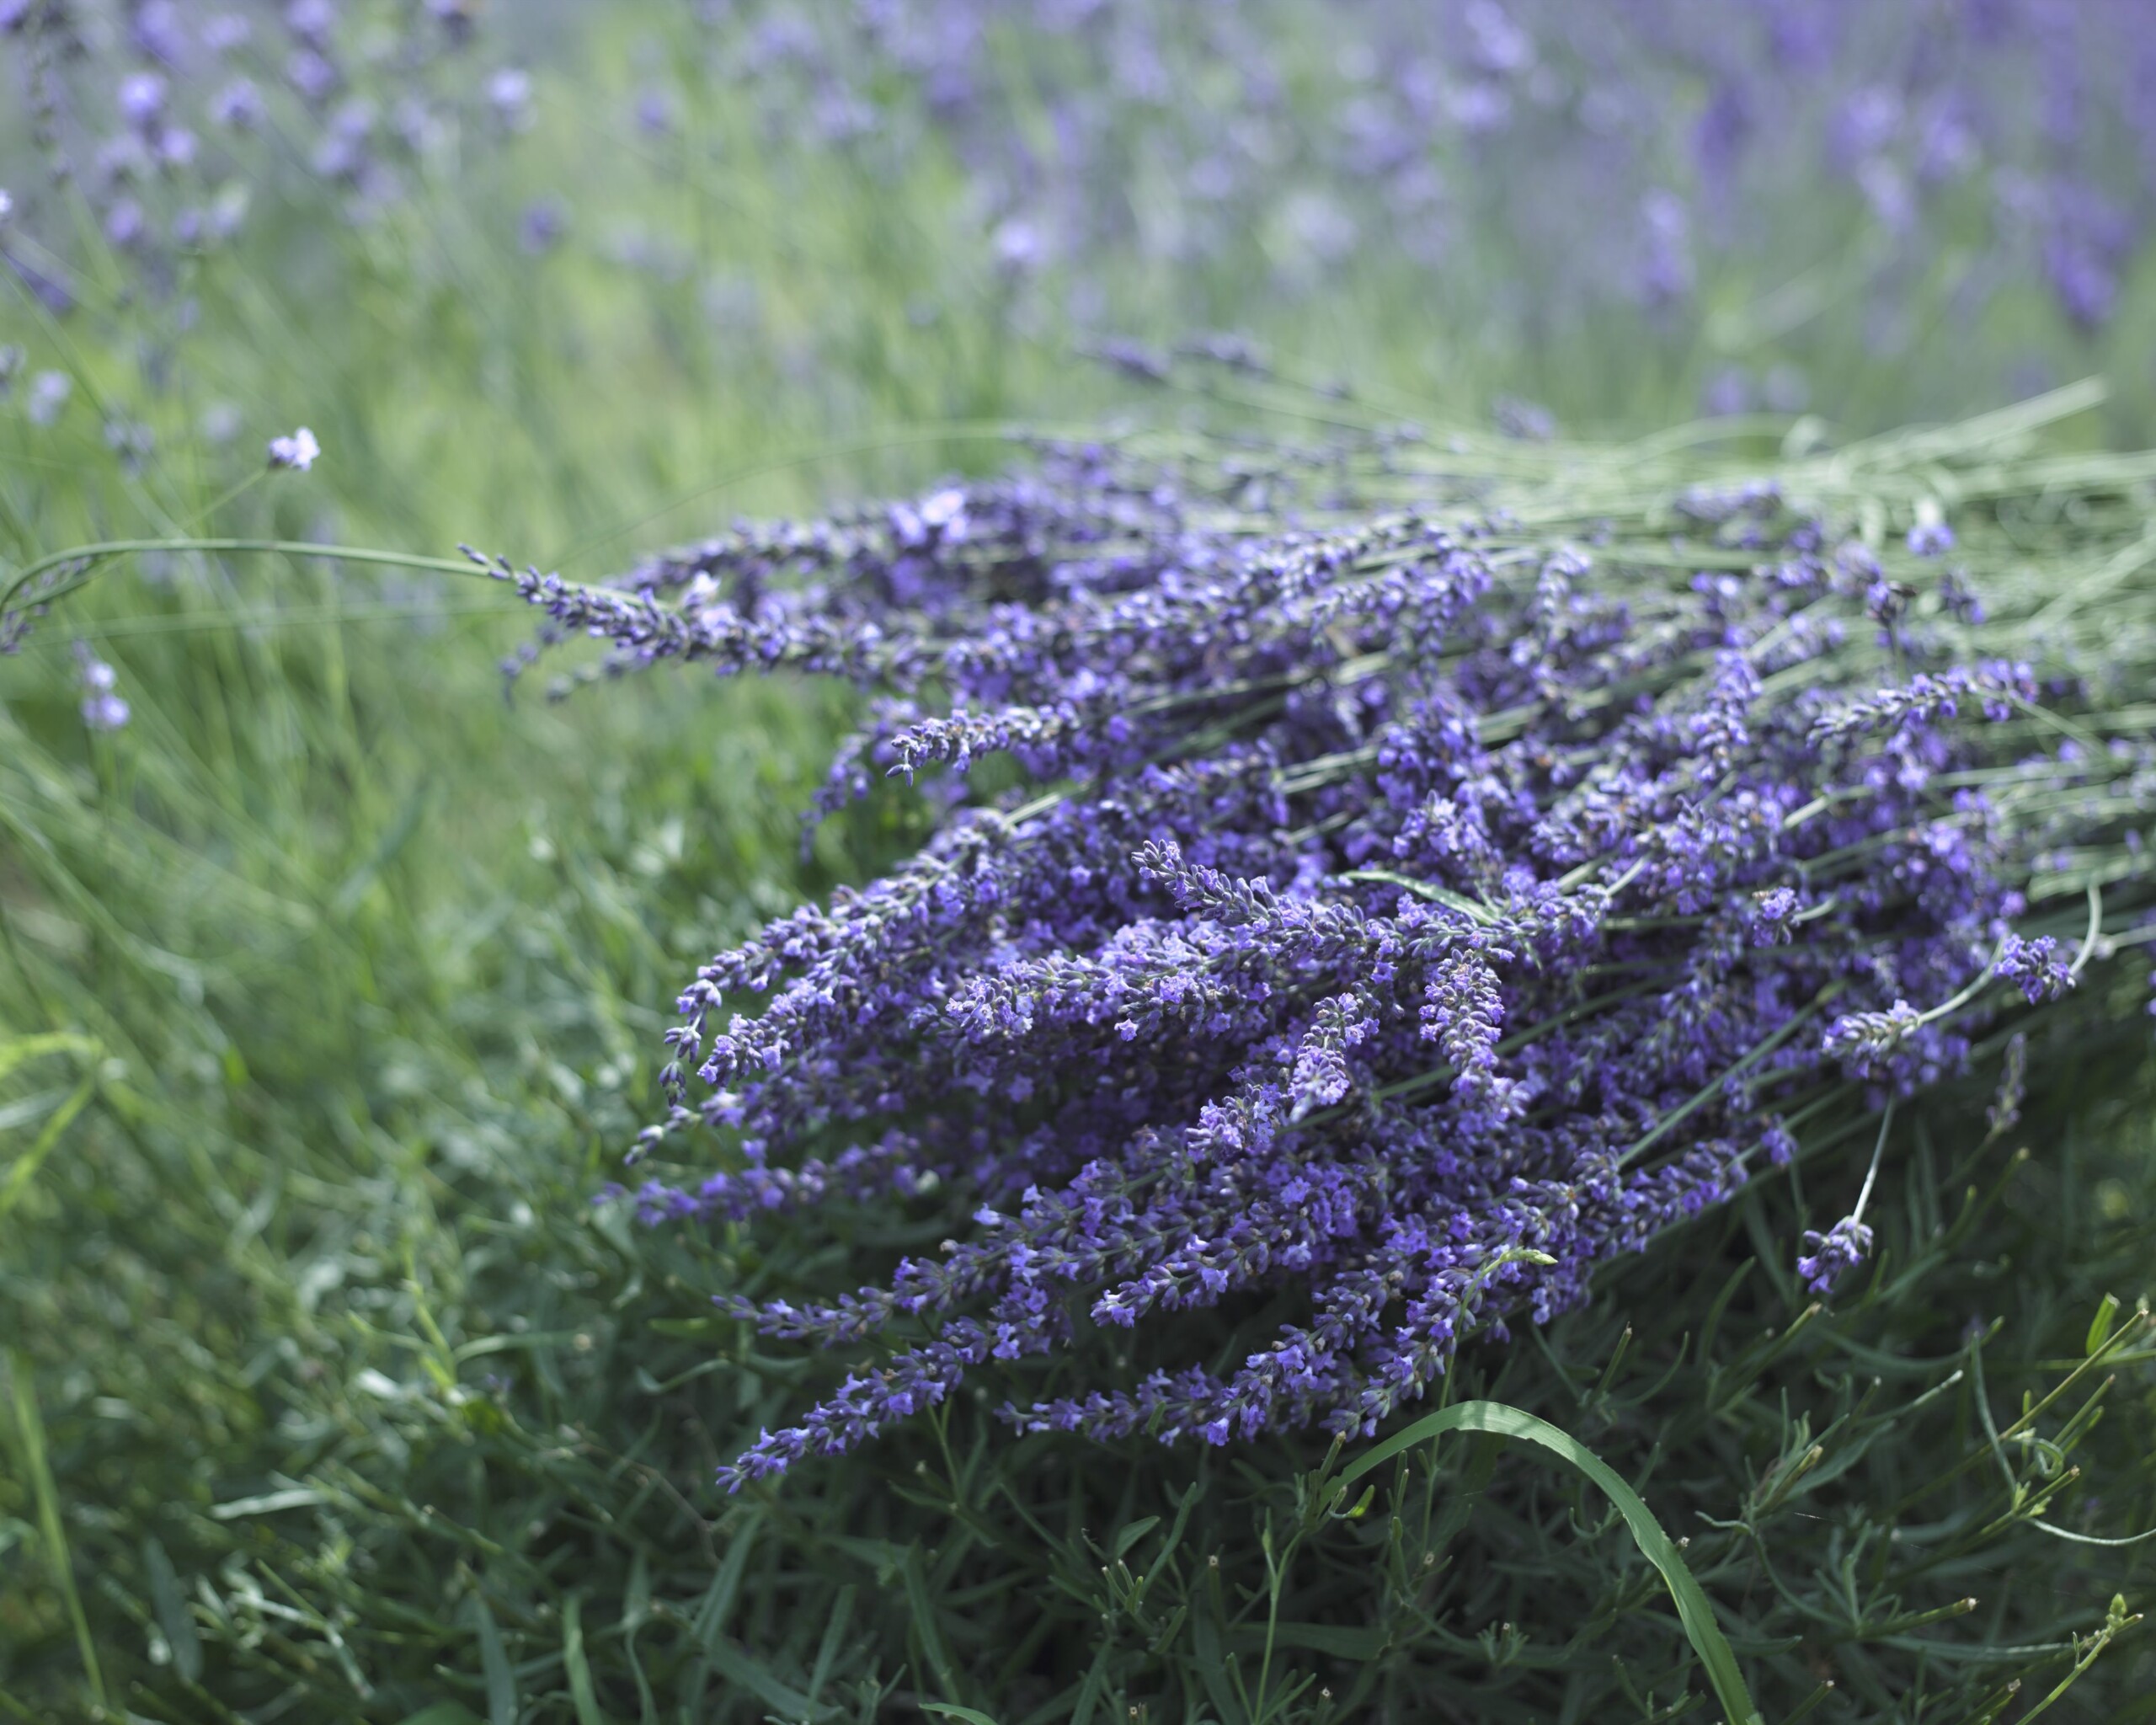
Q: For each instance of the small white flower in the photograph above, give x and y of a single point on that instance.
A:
(297, 452)
(102, 709)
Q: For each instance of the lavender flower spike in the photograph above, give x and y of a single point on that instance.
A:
(1865, 1039)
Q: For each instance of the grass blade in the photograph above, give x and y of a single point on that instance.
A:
(171, 1608)
(29, 1428)
(581, 1692)
(494, 1666)
(744, 1670)
(1655, 1544)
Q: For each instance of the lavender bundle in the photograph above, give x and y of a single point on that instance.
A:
(1429, 872)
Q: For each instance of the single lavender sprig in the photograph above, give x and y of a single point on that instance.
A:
(1834, 1253)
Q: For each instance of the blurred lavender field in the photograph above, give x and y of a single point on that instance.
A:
(1636, 209)
(333, 987)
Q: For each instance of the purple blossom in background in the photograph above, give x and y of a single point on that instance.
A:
(654, 112)
(120, 113)
(142, 99)
(125, 223)
(1400, 911)
(224, 32)
(238, 106)
(297, 452)
(540, 229)
(509, 93)
(1571, 142)
(157, 32)
(314, 75)
(1958, 598)
(47, 396)
(1931, 539)
(103, 708)
(1568, 156)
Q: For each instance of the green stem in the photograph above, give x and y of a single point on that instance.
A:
(29, 1431)
(106, 550)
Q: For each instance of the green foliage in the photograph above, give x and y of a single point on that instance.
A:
(330, 989)
(1654, 1542)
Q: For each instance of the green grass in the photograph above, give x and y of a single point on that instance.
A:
(331, 989)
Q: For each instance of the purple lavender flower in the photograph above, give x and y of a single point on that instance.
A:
(142, 97)
(1929, 538)
(297, 452)
(1865, 1040)
(1832, 1255)
(157, 32)
(654, 112)
(103, 708)
(312, 22)
(509, 93)
(1770, 916)
(225, 32)
(313, 74)
(47, 396)
(540, 229)
(1959, 599)
(2035, 965)
(237, 105)
(126, 223)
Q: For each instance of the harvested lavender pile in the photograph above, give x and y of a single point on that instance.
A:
(1429, 872)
